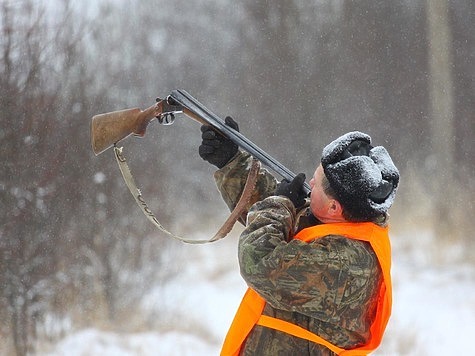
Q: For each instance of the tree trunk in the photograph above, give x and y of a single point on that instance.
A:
(441, 101)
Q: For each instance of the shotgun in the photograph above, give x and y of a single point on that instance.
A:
(109, 128)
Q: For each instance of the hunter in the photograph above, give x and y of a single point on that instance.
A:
(317, 266)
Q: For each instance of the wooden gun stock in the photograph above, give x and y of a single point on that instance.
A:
(109, 128)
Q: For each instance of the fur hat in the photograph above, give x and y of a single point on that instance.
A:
(363, 177)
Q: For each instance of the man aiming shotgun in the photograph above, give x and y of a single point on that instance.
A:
(316, 256)
(317, 267)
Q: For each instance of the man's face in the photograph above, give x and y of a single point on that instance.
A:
(320, 203)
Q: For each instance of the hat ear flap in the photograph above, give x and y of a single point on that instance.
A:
(338, 149)
(381, 193)
(358, 148)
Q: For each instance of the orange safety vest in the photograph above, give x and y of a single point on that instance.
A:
(250, 310)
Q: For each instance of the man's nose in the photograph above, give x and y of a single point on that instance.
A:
(311, 182)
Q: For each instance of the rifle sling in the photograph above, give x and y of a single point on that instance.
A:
(227, 226)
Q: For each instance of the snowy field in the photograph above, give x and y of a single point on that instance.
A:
(433, 309)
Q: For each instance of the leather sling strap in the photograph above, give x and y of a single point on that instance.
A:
(222, 231)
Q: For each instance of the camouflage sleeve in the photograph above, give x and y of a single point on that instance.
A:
(231, 179)
(320, 279)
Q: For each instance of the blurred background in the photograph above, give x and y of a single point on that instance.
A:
(76, 252)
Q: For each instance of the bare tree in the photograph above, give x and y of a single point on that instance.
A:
(28, 259)
(52, 210)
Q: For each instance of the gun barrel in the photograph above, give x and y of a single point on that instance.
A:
(198, 110)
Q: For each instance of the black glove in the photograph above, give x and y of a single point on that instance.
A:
(293, 190)
(215, 148)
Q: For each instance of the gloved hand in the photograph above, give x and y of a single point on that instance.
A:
(215, 148)
(293, 190)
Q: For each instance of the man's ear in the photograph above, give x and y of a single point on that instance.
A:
(335, 209)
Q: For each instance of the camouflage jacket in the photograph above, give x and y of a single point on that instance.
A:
(328, 286)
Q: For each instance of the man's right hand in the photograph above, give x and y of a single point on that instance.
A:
(215, 148)
(293, 190)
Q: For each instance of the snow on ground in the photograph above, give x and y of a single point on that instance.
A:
(433, 307)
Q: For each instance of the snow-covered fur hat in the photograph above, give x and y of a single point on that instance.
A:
(364, 178)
